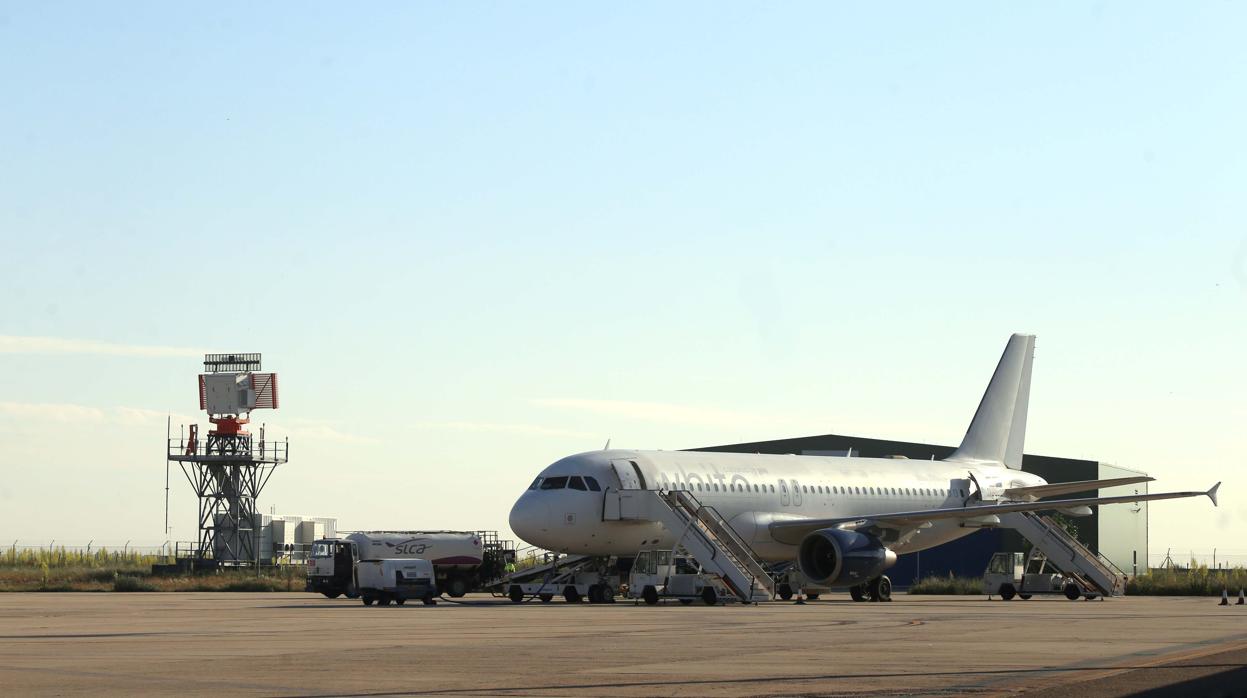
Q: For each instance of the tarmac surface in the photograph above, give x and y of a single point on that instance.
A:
(305, 645)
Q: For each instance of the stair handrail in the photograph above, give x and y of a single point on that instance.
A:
(714, 524)
(1098, 561)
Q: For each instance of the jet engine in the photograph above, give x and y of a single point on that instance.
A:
(836, 557)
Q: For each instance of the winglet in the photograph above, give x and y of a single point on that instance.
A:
(1212, 493)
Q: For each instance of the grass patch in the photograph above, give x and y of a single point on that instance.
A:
(125, 582)
(61, 570)
(948, 586)
(1195, 581)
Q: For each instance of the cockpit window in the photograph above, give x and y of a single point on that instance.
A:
(576, 483)
(554, 483)
(593, 484)
(535, 484)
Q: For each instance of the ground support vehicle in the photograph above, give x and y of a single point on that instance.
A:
(575, 578)
(385, 581)
(462, 560)
(1015, 574)
(667, 574)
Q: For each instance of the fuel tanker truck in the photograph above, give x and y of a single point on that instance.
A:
(462, 560)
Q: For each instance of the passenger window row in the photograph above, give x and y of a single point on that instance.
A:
(571, 482)
(587, 483)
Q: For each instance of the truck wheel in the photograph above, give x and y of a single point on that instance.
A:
(429, 600)
(709, 596)
(383, 601)
(456, 587)
(368, 600)
(595, 594)
(784, 591)
(351, 591)
(546, 598)
(1007, 592)
(811, 597)
(571, 595)
(400, 601)
(516, 593)
(331, 594)
(857, 593)
(686, 602)
(650, 595)
(1024, 597)
(607, 593)
(1072, 592)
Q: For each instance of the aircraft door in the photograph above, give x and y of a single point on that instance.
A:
(796, 494)
(629, 475)
(783, 493)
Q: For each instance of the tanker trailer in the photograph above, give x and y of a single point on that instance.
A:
(456, 558)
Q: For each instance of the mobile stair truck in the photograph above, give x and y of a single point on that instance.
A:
(384, 581)
(1014, 574)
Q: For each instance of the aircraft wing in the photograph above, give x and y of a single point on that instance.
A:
(1041, 491)
(792, 531)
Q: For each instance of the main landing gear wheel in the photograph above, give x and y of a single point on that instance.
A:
(880, 589)
(709, 596)
(515, 593)
(858, 593)
(571, 595)
(456, 587)
(811, 597)
(1007, 592)
(650, 595)
(368, 600)
(785, 592)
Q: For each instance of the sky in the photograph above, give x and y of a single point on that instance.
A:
(474, 238)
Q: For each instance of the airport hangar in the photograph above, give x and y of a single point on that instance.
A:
(1118, 532)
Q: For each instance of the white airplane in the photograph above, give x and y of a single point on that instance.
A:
(842, 519)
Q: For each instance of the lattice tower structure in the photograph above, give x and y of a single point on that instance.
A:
(229, 469)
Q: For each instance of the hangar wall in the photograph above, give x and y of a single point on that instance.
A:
(1120, 532)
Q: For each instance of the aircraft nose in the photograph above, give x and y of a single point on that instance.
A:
(530, 518)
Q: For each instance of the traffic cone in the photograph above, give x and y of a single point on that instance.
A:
(1240, 597)
(1225, 598)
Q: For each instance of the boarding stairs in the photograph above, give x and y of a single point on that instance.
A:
(702, 532)
(1064, 551)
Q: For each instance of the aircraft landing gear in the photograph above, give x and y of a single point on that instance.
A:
(858, 593)
(785, 591)
(879, 589)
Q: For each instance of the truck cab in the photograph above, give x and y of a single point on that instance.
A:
(331, 568)
(659, 574)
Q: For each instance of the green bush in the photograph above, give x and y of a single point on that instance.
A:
(1195, 581)
(948, 586)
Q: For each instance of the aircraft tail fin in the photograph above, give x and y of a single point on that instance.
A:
(998, 431)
